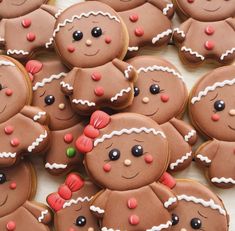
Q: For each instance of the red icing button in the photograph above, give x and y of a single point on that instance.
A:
(107, 167)
(15, 142)
(148, 159)
(134, 220)
(9, 92)
(11, 226)
(68, 138)
(209, 30)
(209, 45)
(139, 32)
(190, 1)
(71, 229)
(132, 203)
(96, 76)
(31, 37)
(26, 23)
(13, 185)
(164, 98)
(71, 49)
(108, 39)
(134, 17)
(9, 130)
(215, 117)
(99, 91)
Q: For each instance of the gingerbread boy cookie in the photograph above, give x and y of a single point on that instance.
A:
(92, 39)
(25, 26)
(22, 127)
(64, 123)
(17, 212)
(198, 208)
(161, 94)
(212, 111)
(71, 205)
(127, 154)
(208, 31)
(148, 21)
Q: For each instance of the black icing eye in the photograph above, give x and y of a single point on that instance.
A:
(175, 219)
(1, 86)
(49, 99)
(81, 221)
(114, 154)
(3, 178)
(196, 223)
(154, 89)
(219, 105)
(136, 91)
(77, 35)
(137, 150)
(96, 32)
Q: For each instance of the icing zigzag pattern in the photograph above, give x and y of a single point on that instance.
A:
(7, 155)
(133, 48)
(126, 72)
(96, 209)
(6, 63)
(120, 94)
(55, 166)
(171, 201)
(180, 161)
(37, 142)
(66, 85)
(189, 135)
(162, 35)
(39, 115)
(79, 199)
(181, 32)
(43, 214)
(83, 102)
(167, 8)
(18, 52)
(193, 52)
(228, 52)
(204, 158)
(223, 180)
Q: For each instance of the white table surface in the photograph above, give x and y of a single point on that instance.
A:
(48, 184)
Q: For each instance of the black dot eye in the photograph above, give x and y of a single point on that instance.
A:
(154, 89)
(136, 91)
(219, 105)
(77, 35)
(96, 32)
(49, 99)
(1, 87)
(114, 154)
(196, 223)
(137, 150)
(175, 219)
(3, 178)
(81, 221)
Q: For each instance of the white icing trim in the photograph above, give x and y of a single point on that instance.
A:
(167, 8)
(170, 201)
(212, 88)
(48, 44)
(74, 202)
(180, 161)
(55, 166)
(109, 229)
(189, 135)
(59, 12)
(39, 115)
(83, 102)
(160, 227)
(133, 48)
(161, 35)
(204, 158)
(6, 63)
(128, 131)
(37, 142)
(43, 214)
(7, 155)
(228, 52)
(2, 39)
(66, 85)
(127, 71)
(17, 52)
(195, 53)
(48, 80)
(223, 180)
(181, 32)
(97, 209)
(201, 201)
(120, 94)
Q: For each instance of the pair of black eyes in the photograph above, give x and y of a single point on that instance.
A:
(95, 32)
(154, 89)
(3, 178)
(219, 105)
(195, 222)
(81, 221)
(136, 151)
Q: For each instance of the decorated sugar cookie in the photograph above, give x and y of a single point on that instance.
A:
(212, 110)
(198, 208)
(207, 32)
(127, 154)
(25, 26)
(161, 94)
(71, 205)
(18, 212)
(22, 127)
(153, 28)
(92, 39)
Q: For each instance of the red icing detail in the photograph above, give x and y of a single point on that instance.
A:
(11, 225)
(9, 92)
(68, 138)
(190, 1)
(139, 31)
(209, 45)
(168, 180)
(96, 76)
(165, 98)
(33, 66)
(15, 142)
(26, 23)
(31, 36)
(108, 39)
(9, 130)
(55, 201)
(71, 48)
(74, 182)
(209, 30)
(107, 167)
(31, 77)
(99, 91)
(215, 117)
(134, 17)
(65, 192)
(134, 220)
(13, 186)
(71, 229)
(148, 158)
(132, 203)
(91, 132)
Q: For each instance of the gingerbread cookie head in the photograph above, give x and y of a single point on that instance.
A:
(198, 208)
(17, 8)
(124, 151)
(211, 107)
(46, 77)
(160, 92)
(15, 88)
(71, 205)
(90, 34)
(207, 10)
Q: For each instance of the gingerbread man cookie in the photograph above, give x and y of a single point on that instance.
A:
(17, 212)
(22, 127)
(198, 208)
(208, 31)
(65, 124)
(161, 94)
(71, 205)
(127, 154)
(92, 39)
(212, 111)
(153, 28)
(25, 26)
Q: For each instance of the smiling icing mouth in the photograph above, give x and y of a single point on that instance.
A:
(3, 109)
(65, 119)
(212, 10)
(152, 113)
(231, 128)
(131, 177)
(4, 202)
(94, 54)
(19, 4)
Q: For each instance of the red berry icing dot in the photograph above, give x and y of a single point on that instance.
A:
(215, 117)
(9, 130)
(108, 39)
(96, 76)
(11, 226)
(71, 49)
(165, 98)
(71, 229)
(132, 203)
(68, 138)
(148, 159)
(13, 185)
(209, 30)
(26, 23)
(99, 91)
(190, 1)
(9, 92)
(31, 37)
(15, 142)
(134, 17)
(209, 45)
(139, 32)
(107, 167)
(134, 220)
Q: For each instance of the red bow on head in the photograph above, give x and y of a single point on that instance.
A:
(99, 120)
(33, 67)
(72, 184)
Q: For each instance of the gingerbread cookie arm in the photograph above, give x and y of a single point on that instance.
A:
(180, 33)
(50, 9)
(189, 134)
(2, 32)
(231, 22)
(166, 7)
(68, 82)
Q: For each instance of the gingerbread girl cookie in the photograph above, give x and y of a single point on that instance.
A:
(198, 208)
(126, 154)
(92, 39)
(161, 94)
(208, 31)
(65, 124)
(22, 127)
(153, 28)
(25, 26)
(212, 111)
(17, 211)
(71, 205)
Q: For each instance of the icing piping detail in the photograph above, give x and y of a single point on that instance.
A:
(2, 39)
(39, 115)
(18, 52)
(59, 12)
(180, 161)
(37, 142)
(48, 44)
(167, 8)
(181, 32)
(6, 63)
(204, 158)
(161, 35)
(55, 166)
(43, 214)
(120, 94)
(66, 85)
(96, 209)
(7, 155)
(133, 48)
(160, 227)
(74, 202)
(127, 71)
(170, 201)
(223, 180)
(83, 102)
(195, 53)
(189, 135)
(228, 52)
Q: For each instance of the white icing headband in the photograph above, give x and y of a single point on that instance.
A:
(212, 88)
(74, 202)
(6, 63)
(128, 131)
(204, 203)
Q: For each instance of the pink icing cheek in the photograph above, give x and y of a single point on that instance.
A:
(13, 186)
(190, 1)
(107, 167)
(215, 117)
(71, 229)
(71, 48)
(148, 159)
(165, 98)
(9, 92)
(108, 39)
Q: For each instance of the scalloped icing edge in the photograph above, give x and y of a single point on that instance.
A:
(181, 160)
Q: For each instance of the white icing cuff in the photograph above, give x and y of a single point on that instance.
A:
(120, 94)
(6, 63)
(127, 71)
(7, 155)
(75, 202)
(2, 39)
(170, 201)
(167, 8)
(181, 32)
(227, 53)
(161, 35)
(17, 52)
(37, 142)
(83, 102)
(42, 216)
(96, 209)
(66, 85)
(223, 180)
(204, 158)
(189, 135)
(39, 115)
(194, 53)
(55, 166)
(133, 48)
(180, 161)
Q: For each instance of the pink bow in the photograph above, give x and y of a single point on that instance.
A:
(33, 67)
